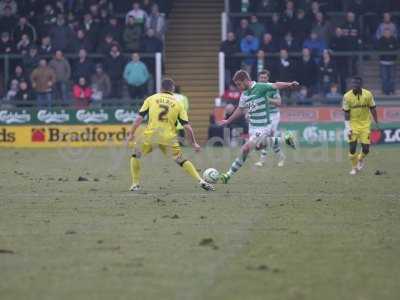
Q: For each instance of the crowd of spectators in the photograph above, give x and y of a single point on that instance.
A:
(66, 50)
(282, 28)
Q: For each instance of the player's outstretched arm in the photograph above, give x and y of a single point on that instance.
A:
(190, 133)
(285, 85)
(236, 114)
(138, 121)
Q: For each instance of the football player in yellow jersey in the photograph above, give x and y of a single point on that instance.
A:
(358, 105)
(163, 113)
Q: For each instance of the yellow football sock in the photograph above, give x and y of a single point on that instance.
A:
(135, 170)
(353, 159)
(191, 170)
(361, 156)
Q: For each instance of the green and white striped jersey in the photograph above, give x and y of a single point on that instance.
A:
(255, 100)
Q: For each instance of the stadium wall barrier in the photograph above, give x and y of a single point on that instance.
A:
(32, 128)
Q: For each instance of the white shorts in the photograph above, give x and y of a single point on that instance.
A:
(259, 135)
(275, 120)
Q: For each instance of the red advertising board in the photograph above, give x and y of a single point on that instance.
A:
(386, 114)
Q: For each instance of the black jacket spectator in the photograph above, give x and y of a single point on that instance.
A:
(276, 27)
(351, 32)
(290, 43)
(114, 65)
(46, 48)
(31, 60)
(151, 43)
(326, 73)
(81, 41)
(24, 27)
(306, 70)
(301, 26)
(268, 44)
(113, 29)
(230, 46)
(83, 67)
(60, 35)
(6, 45)
(285, 67)
(388, 43)
(8, 21)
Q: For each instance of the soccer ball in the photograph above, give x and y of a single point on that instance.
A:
(211, 175)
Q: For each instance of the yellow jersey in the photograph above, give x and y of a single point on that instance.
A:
(163, 114)
(359, 107)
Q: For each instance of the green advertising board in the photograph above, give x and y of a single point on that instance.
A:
(66, 116)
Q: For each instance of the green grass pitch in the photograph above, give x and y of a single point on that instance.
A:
(304, 231)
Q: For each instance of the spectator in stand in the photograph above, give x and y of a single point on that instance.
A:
(104, 47)
(243, 29)
(151, 43)
(60, 34)
(301, 26)
(266, 6)
(83, 67)
(19, 75)
(42, 80)
(6, 45)
(24, 44)
(11, 4)
(387, 24)
(62, 69)
(255, 26)
(48, 19)
(249, 45)
(351, 33)
(114, 29)
(230, 46)
(132, 35)
(24, 27)
(114, 65)
(285, 66)
(46, 47)
(8, 21)
(276, 28)
(306, 71)
(316, 46)
(24, 94)
(139, 15)
(288, 16)
(91, 29)
(101, 84)
(337, 44)
(82, 93)
(81, 41)
(156, 21)
(267, 44)
(322, 27)
(137, 76)
(301, 97)
(263, 63)
(333, 97)
(30, 60)
(13, 91)
(326, 73)
(388, 62)
(290, 43)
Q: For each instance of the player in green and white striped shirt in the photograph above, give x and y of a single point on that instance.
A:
(274, 100)
(254, 99)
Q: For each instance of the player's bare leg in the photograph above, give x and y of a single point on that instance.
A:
(361, 157)
(353, 157)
